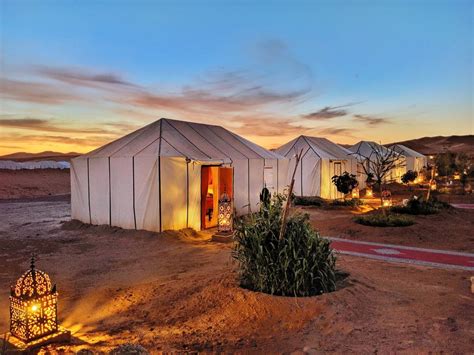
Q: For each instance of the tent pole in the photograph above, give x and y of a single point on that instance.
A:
(110, 196)
(89, 192)
(248, 185)
(187, 193)
(159, 190)
(159, 171)
(133, 191)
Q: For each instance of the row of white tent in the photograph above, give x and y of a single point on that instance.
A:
(156, 179)
(31, 165)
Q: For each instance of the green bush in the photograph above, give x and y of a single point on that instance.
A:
(321, 202)
(300, 264)
(345, 183)
(409, 176)
(352, 202)
(381, 220)
(417, 206)
(309, 201)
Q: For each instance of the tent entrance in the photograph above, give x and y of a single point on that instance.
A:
(337, 170)
(215, 180)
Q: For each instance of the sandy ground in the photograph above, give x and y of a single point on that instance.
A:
(33, 183)
(449, 230)
(178, 291)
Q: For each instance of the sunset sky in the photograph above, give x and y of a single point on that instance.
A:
(77, 74)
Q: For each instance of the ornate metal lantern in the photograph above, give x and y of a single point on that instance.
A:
(225, 218)
(33, 306)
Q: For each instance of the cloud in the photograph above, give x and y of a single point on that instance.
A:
(371, 121)
(83, 77)
(325, 113)
(266, 126)
(336, 131)
(56, 86)
(201, 100)
(51, 125)
(36, 92)
(329, 112)
(84, 142)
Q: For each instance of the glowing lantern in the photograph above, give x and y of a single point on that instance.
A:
(368, 192)
(433, 185)
(386, 198)
(224, 220)
(33, 306)
(355, 193)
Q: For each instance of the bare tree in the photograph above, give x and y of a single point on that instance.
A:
(286, 209)
(380, 162)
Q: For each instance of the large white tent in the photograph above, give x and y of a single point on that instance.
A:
(369, 150)
(414, 161)
(321, 160)
(152, 179)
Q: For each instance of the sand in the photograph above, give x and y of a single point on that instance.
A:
(33, 183)
(178, 291)
(449, 230)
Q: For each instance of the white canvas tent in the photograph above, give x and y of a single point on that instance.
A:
(414, 161)
(321, 160)
(151, 178)
(366, 149)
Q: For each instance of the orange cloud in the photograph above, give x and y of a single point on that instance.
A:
(34, 92)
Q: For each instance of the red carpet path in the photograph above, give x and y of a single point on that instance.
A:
(467, 206)
(401, 254)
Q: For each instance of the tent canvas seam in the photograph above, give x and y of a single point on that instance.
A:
(167, 121)
(224, 154)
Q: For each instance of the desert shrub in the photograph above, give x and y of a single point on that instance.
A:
(345, 183)
(309, 201)
(300, 264)
(409, 176)
(382, 220)
(351, 203)
(417, 206)
(129, 349)
(321, 202)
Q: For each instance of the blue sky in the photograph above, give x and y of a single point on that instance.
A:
(76, 74)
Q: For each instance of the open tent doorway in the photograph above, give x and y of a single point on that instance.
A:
(215, 181)
(337, 170)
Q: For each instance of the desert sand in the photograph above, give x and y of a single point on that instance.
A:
(26, 184)
(449, 230)
(179, 291)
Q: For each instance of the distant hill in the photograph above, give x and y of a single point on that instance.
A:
(434, 145)
(48, 155)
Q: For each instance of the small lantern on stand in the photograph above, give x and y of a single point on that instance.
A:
(386, 198)
(355, 193)
(433, 185)
(33, 311)
(368, 192)
(225, 220)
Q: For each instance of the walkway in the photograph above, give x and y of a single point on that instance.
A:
(401, 254)
(467, 206)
